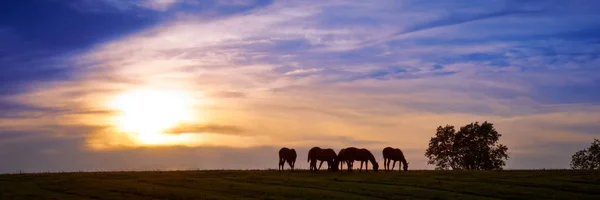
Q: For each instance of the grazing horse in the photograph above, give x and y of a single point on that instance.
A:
(364, 155)
(341, 158)
(316, 153)
(289, 155)
(348, 155)
(394, 154)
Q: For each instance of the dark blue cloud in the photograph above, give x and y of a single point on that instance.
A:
(12, 109)
(38, 36)
(386, 72)
(54, 25)
(571, 93)
(222, 9)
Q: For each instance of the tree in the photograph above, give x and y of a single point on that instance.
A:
(474, 147)
(588, 158)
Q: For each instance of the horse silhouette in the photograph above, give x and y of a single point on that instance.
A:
(352, 154)
(328, 155)
(365, 156)
(348, 156)
(287, 155)
(341, 158)
(394, 154)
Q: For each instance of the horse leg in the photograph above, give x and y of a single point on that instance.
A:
(293, 163)
(320, 165)
(387, 164)
(361, 164)
(386, 168)
(393, 165)
(280, 164)
(332, 165)
(347, 165)
(399, 166)
(366, 166)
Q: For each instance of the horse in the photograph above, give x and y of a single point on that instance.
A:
(394, 154)
(289, 155)
(364, 155)
(348, 155)
(316, 153)
(341, 158)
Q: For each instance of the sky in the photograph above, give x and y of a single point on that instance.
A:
(89, 85)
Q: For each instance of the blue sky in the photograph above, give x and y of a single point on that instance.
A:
(265, 74)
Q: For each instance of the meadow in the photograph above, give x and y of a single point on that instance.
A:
(301, 184)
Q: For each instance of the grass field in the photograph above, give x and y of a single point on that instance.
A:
(540, 184)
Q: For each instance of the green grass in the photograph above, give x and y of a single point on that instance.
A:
(508, 184)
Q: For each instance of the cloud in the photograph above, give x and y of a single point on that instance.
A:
(102, 6)
(236, 2)
(227, 94)
(159, 5)
(199, 128)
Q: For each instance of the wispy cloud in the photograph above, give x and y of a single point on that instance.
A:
(197, 128)
(160, 5)
(236, 2)
(99, 6)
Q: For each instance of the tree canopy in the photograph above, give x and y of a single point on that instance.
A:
(474, 147)
(588, 158)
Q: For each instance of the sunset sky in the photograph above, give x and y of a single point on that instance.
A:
(223, 84)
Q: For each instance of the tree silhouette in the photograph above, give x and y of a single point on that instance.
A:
(588, 158)
(474, 147)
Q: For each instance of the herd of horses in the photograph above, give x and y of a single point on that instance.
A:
(335, 162)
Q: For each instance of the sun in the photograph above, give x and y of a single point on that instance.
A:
(148, 112)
